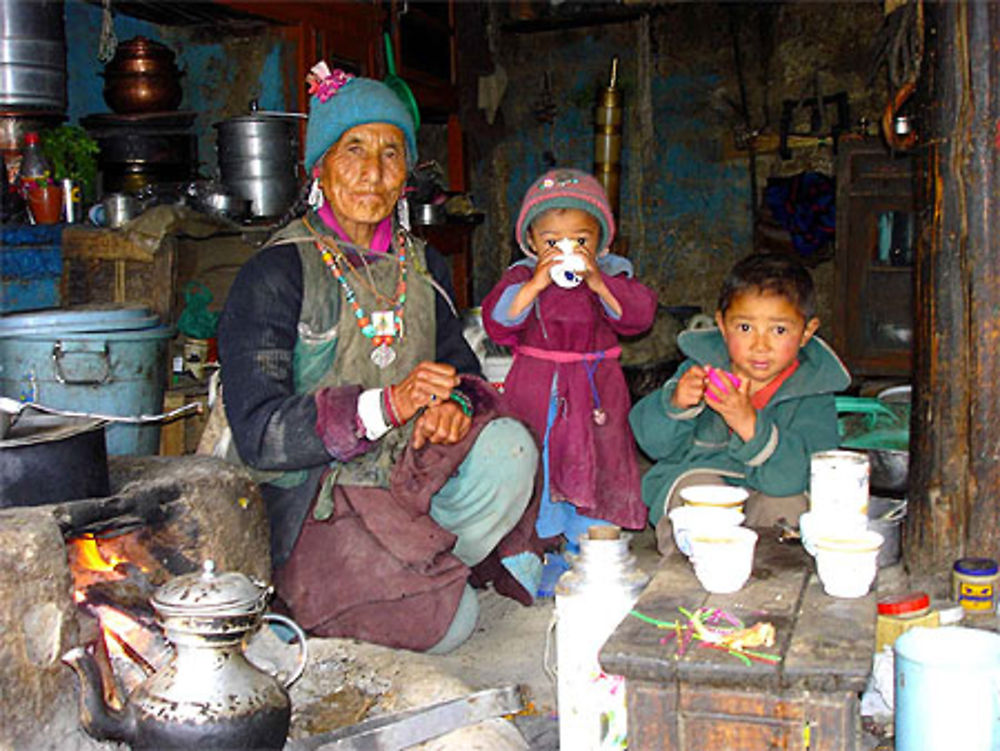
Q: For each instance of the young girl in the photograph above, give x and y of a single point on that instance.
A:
(561, 310)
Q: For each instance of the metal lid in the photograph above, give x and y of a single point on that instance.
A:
(78, 320)
(976, 566)
(210, 593)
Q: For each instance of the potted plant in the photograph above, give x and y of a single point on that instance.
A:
(73, 156)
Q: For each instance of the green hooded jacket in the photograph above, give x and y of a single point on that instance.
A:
(800, 419)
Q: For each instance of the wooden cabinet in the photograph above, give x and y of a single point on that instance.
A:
(875, 246)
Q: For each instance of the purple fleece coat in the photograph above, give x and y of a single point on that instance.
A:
(592, 466)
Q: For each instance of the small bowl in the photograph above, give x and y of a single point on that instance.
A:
(687, 520)
(718, 496)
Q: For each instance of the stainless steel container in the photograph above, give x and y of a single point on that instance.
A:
(32, 54)
(258, 160)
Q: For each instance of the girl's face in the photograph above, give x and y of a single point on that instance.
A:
(362, 177)
(551, 226)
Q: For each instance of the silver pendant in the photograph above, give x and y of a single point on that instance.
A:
(383, 355)
(599, 416)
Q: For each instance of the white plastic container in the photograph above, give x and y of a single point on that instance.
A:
(839, 486)
(592, 598)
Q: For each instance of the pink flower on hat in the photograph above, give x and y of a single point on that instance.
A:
(324, 83)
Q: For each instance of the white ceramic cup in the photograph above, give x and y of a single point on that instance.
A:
(847, 564)
(685, 520)
(813, 525)
(566, 273)
(719, 496)
(723, 559)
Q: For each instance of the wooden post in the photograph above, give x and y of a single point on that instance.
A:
(954, 468)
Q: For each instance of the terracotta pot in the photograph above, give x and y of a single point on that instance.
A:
(46, 203)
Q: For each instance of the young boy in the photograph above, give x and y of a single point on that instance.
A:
(702, 428)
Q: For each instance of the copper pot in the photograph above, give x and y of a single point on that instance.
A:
(142, 77)
(134, 93)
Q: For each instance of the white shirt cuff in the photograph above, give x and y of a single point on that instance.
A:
(370, 412)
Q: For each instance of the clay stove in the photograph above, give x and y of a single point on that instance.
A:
(164, 517)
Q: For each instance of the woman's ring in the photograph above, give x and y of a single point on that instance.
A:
(434, 397)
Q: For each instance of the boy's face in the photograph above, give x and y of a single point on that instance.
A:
(553, 225)
(763, 334)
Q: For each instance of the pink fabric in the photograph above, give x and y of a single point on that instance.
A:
(592, 466)
(557, 356)
(383, 232)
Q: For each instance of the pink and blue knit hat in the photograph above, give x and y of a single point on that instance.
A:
(565, 188)
(341, 101)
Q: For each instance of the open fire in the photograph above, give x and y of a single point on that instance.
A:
(115, 590)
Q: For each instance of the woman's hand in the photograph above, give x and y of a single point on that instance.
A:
(443, 422)
(427, 384)
(690, 388)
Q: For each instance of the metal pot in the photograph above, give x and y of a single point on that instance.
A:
(32, 55)
(209, 695)
(142, 55)
(51, 459)
(427, 213)
(141, 78)
(132, 93)
(258, 159)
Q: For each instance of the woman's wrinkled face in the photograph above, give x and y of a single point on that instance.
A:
(362, 176)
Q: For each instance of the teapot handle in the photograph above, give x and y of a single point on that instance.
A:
(303, 648)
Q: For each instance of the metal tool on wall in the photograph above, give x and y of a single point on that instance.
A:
(608, 137)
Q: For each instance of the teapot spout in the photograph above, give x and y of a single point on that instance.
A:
(99, 720)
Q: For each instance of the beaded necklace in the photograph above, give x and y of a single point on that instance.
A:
(383, 326)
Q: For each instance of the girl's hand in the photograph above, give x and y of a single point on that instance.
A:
(731, 402)
(427, 384)
(690, 388)
(542, 277)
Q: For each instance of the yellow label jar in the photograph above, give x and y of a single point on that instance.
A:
(974, 584)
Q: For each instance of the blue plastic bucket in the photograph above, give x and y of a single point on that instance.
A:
(947, 690)
(102, 360)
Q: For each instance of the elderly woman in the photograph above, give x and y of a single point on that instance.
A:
(390, 476)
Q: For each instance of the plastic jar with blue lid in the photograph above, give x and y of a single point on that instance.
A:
(974, 584)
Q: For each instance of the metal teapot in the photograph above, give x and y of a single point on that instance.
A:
(209, 695)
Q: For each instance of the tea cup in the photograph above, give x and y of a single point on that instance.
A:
(720, 496)
(684, 520)
(723, 559)
(847, 564)
(813, 525)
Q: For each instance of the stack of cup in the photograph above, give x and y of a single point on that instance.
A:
(707, 528)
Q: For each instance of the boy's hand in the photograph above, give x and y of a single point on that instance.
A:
(731, 402)
(690, 388)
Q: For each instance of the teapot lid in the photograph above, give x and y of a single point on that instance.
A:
(211, 593)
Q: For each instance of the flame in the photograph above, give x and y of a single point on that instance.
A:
(89, 555)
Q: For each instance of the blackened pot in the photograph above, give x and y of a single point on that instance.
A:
(51, 459)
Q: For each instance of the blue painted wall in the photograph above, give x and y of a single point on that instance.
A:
(220, 74)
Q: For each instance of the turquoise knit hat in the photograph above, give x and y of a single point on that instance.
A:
(357, 102)
(564, 188)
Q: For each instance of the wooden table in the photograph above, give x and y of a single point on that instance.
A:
(709, 699)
